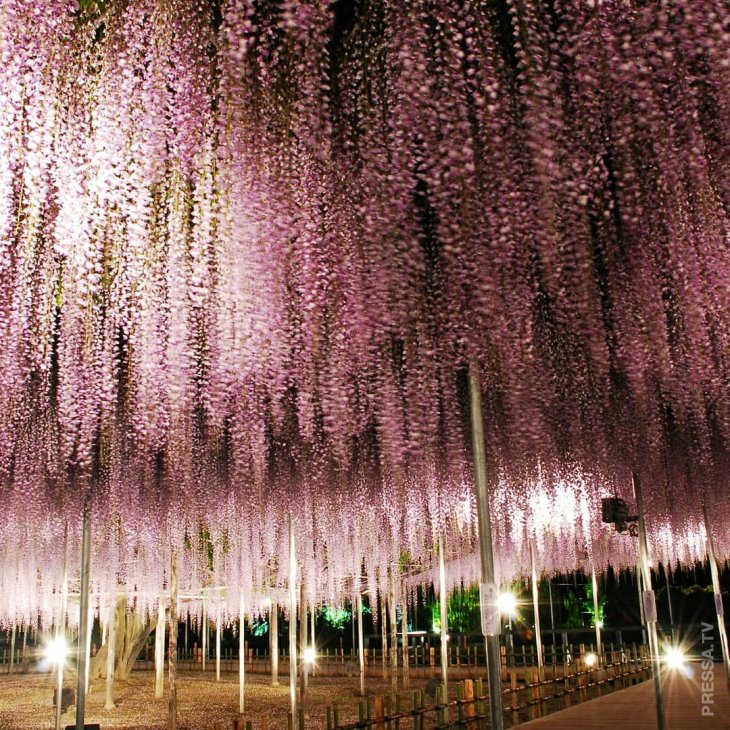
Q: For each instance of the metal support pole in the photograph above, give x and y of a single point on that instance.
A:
(89, 629)
(274, 641)
(218, 643)
(552, 615)
(241, 653)
(404, 632)
(649, 604)
(443, 615)
(292, 623)
(488, 589)
(160, 649)
(360, 643)
(61, 629)
(594, 583)
(536, 606)
(12, 648)
(83, 652)
(172, 650)
(384, 634)
(204, 634)
(393, 635)
(111, 652)
(303, 645)
(641, 603)
(719, 608)
(667, 578)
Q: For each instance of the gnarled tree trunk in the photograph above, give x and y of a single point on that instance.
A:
(130, 636)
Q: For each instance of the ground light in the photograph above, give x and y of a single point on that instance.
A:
(310, 655)
(676, 660)
(56, 651)
(590, 659)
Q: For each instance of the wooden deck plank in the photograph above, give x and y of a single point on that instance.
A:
(634, 707)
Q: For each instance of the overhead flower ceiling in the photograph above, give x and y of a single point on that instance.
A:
(248, 250)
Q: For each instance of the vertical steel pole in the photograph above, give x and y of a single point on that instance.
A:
(404, 631)
(241, 653)
(360, 643)
(204, 635)
(444, 616)
(160, 649)
(172, 650)
(274, 640)
(393, 635)
(594, 583)
(719, 609)
(111, 652)
(83, 622)
(649, 605)
(61, 631)
(303, 644)
(292, 623)
(384, 634)
(488, 588)
(536, 606)
(667, 576)
(218, 643)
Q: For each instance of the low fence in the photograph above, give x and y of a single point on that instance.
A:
(536, 696)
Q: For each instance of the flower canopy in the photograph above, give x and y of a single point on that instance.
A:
(249, 249)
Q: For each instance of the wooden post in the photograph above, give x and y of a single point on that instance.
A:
(160, 649)
(380, 712)
(172, 651)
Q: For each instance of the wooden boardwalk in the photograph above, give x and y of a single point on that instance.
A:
(634, 708)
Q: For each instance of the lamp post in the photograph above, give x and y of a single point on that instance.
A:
(648, 602)
(719, 609)
(83, 653)
(488, 591)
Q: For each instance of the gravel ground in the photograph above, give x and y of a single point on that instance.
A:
(26, 701)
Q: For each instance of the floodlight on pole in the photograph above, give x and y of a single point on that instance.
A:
(507, 603)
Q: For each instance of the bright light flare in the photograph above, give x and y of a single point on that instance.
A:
(675, 658)
(310, 655)
(507, 603)
(56, 651)
(590, 659)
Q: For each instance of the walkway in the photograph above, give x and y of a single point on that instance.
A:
(634, 708)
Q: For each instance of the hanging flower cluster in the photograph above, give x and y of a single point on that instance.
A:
(249, 251)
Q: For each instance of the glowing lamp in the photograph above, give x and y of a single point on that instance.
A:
(309, 655)
(675, 658)
(507, 603)
(56, 651)
(590, 660)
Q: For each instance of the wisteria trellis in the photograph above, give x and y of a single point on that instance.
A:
(247, 250)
